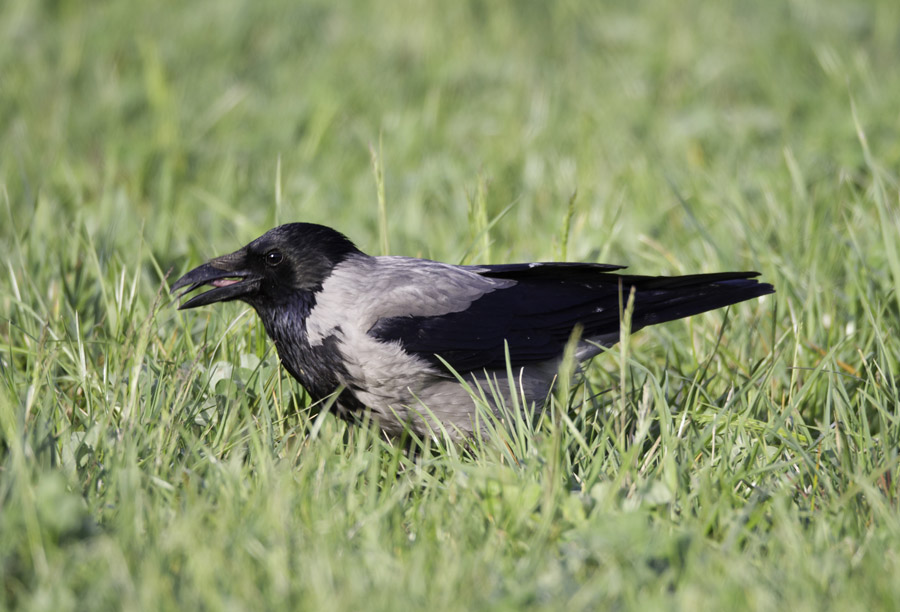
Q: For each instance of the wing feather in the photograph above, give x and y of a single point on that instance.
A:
(536, 315)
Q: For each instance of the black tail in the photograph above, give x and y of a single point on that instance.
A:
(665, 298)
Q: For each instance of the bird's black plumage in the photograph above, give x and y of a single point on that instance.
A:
(536, 316)
(384, 329)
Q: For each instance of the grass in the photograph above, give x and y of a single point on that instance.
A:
(152, 459)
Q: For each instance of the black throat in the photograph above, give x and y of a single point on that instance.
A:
(318, 368)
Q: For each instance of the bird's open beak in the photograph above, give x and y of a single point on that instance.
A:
(228, 275)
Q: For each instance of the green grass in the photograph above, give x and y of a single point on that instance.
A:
(152, 459)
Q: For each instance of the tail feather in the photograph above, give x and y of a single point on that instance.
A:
(661, 299)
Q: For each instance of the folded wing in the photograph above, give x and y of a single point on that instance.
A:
(536, 315)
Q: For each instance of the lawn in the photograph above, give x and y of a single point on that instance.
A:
(742, 459)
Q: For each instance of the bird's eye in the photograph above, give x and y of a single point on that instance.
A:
(273, 258)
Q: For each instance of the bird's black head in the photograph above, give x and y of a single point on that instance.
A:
(291, 258)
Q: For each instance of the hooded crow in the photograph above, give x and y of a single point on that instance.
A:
(403, 337)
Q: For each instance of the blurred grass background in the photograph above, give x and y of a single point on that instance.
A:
(152, 459)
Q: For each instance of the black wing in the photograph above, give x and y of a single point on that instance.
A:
(536, 316)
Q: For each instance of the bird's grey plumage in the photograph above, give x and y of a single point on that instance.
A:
(367, 289)
(382, 331)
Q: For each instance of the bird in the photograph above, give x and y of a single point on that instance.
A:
(413, 343)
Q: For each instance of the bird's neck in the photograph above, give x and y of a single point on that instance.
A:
(317, 368)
